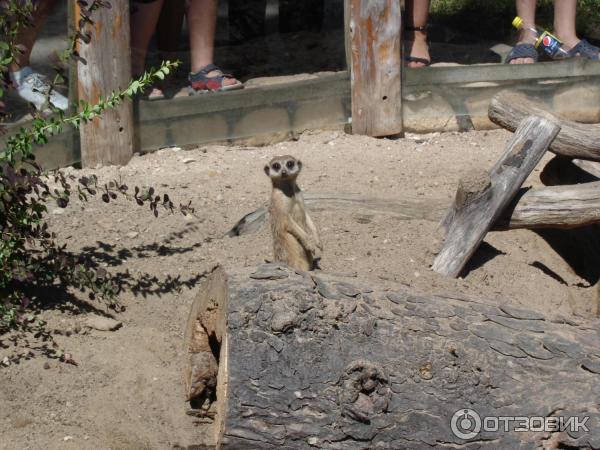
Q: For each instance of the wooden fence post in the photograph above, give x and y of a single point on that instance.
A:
(107, 140)
(376, 66)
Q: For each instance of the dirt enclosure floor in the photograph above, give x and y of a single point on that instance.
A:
(126, 391)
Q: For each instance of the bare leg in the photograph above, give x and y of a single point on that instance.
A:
(565, 12)
(417, 14)
(28, 35)
(143, 24)
(564, 21)
(526, 11)
(202, 23)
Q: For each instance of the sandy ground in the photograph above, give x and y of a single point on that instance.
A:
(127, 393)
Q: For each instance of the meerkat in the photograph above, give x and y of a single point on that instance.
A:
(296, 240)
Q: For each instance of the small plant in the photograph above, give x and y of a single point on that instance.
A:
(30, 259)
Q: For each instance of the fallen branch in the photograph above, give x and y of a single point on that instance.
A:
(575, 140)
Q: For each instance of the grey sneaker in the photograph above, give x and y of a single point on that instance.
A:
(34, 89)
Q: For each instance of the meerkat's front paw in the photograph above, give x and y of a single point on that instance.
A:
(318, 253)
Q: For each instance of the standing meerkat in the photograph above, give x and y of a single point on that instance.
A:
(296, 240)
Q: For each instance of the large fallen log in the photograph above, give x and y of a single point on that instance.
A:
(481, 198)
(329, 362)
(575, 140)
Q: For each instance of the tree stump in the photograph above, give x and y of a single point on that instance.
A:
(330, 362)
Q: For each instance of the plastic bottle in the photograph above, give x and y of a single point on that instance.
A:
(544, 39)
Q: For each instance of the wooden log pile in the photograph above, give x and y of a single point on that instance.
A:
(320, 361)
(491, 199)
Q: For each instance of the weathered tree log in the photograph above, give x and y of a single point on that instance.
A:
(481, 199)
(568, 206)
(330, 362)
(562, 170)
(575, 140)
(591, 167)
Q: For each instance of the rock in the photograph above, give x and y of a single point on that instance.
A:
(102, 323)
(46, 365)
(132, 234)
(188, 160)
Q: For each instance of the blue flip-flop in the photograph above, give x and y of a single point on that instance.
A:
(584, 49)
(522, 51)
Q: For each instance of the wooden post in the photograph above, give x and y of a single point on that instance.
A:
(108, 140)
(481, 199)
(376, 68)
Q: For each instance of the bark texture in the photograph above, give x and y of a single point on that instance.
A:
(331, 362)
(575, 140)
(481, 198)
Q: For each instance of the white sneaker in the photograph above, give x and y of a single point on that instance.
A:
(34, 89)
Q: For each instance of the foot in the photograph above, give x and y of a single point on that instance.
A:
(579, 47)
(212, 79)
(525, 37)
(35, 87)
(418, 49)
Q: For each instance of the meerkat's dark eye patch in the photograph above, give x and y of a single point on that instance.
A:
(290, 164)
(276, 167)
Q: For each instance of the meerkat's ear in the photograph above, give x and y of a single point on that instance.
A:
(267, 169)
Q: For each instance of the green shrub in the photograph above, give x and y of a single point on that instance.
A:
(30, 259)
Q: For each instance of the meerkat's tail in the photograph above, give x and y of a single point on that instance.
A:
(250, 223)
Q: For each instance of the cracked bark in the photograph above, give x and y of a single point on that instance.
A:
(330, 362)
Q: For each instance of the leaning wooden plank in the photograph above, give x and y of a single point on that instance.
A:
(575, 140)
(108, 68)
(376, 67)
(481, 199)
(330, 362)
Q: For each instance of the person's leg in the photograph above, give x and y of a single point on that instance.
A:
(31, 86)
(28, 35)
(168, 32)
(417, 15)
(564, 21)
(565, 12)
(526, 11)
(144, 18)
(202, 23)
